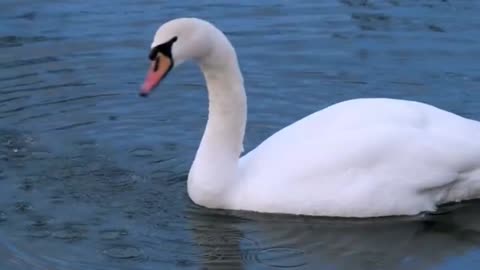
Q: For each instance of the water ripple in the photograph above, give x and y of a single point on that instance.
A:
(68, 100)
(72, 126)
(113, 234)
(31, 61)
(17, 77)
(48, 87)
(281, 257)
(16, 41)
(123, 252)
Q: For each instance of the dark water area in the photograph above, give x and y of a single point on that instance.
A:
(93, 177)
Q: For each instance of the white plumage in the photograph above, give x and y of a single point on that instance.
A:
(357, 158)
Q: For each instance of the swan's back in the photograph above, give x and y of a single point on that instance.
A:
(364, 157)
(383, 112)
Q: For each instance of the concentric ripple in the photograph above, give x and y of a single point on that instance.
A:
(281, 257)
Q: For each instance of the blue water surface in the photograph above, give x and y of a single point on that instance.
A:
(93, 177)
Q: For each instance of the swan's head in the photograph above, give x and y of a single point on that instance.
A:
(175, 42)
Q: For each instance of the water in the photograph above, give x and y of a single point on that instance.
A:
(93, 177)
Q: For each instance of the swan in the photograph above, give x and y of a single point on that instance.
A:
(365, 157)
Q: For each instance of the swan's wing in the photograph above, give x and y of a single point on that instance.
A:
(368, 157)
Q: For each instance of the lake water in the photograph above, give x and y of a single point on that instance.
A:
(94, 177)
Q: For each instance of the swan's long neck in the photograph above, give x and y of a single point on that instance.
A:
(215, 168)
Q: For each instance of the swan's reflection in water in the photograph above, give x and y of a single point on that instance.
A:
(240, 240)
(222, 245)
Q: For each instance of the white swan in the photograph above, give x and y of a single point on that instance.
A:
(358, 158)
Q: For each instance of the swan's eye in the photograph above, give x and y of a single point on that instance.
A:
(153, 54)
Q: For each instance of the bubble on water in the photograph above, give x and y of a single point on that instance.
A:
(142, 152)
(67, 234)
(41, 155)
(3, 217)
(23, 207)
(40, 221)
(39, 227)
(38, 233)
(113, 234)
(71, 232)
(26, 184)
(184, 263)
(123, 252)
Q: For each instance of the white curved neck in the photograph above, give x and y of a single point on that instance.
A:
(215, 168)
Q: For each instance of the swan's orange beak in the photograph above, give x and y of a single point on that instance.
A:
(159, 69)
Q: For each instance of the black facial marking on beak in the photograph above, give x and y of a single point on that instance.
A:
(157, 61)
(164, 48)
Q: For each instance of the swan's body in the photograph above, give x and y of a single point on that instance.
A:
(358, 158)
